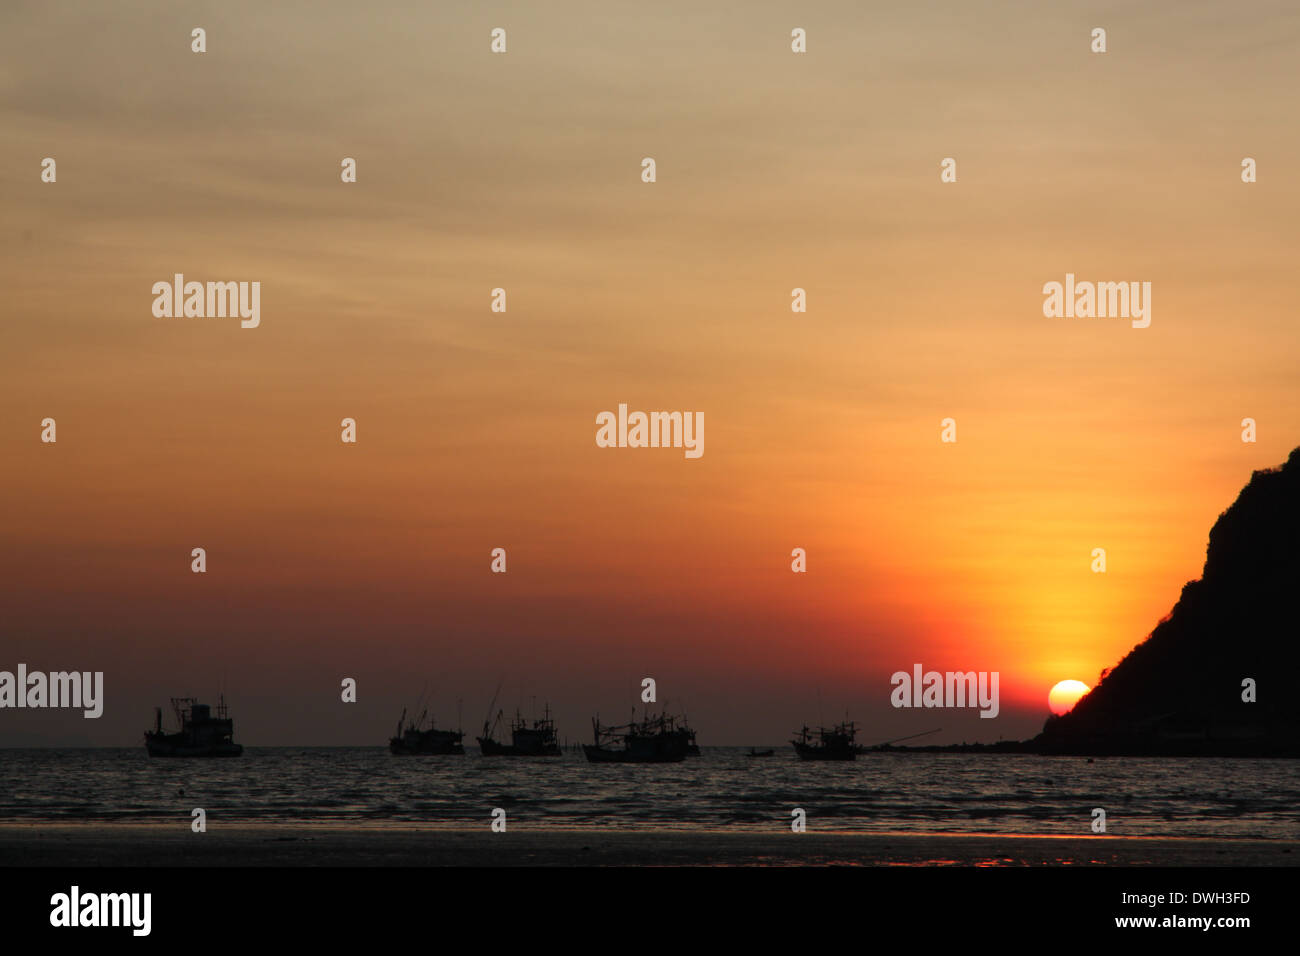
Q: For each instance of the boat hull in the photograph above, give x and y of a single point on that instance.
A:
(810, 752)
(164, 748)
(492, 748)
(602, 755)
(425, 749)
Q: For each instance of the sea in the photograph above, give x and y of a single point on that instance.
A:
(722, 789)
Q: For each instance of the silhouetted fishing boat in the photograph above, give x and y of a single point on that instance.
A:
(692, 748)
(539, 740)
(760, 753)
(414, 740)
(652, 740)
(200, 734)
(833, 743)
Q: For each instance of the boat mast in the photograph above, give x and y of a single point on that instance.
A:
(491, 707)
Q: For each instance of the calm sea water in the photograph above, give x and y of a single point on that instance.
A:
(722, 789)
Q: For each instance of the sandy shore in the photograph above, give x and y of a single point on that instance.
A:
(122, 845)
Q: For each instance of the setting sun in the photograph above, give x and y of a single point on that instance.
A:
(1065, 695)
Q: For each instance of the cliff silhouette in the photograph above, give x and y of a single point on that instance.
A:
(1180, 692)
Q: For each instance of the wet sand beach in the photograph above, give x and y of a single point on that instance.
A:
(126, 845)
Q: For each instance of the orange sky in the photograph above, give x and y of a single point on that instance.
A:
(477, 429)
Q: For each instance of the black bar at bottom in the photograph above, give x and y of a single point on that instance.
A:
(651, 907)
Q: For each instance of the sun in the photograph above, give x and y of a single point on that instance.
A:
(1065, 695)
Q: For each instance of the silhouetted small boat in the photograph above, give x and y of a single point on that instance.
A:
(539, 740)
(834, 743)
(759, 753)
(652, 740)
(200, 734)
(413, 740)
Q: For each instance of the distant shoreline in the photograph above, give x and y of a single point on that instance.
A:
(1012, 748)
